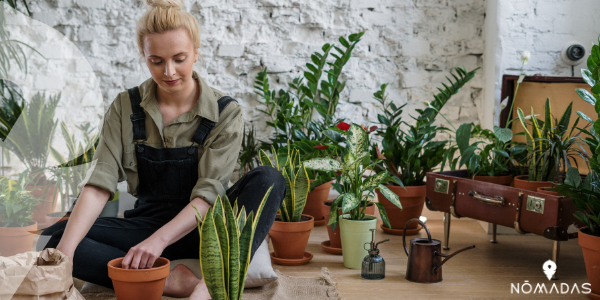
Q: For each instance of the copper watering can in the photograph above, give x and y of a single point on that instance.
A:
(425, 257)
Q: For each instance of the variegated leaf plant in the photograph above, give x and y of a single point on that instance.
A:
(287, 161)
(354, 188)
(226, 237)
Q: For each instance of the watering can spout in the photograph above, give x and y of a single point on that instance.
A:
(447, 257)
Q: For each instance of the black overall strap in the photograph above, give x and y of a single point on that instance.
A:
(206, 126)
(138, 117)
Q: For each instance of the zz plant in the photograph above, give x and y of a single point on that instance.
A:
(353, 183)
(226, 236)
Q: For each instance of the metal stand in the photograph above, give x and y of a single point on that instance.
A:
(555, 253)
(447, 217)
(494, 227)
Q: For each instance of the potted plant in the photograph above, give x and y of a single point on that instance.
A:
(355, 188)
(291, 229)
(409, 153)
(16, 205)
(550, 147)
(29, 139)
(248, 158)
(291, 112)
(226, 236)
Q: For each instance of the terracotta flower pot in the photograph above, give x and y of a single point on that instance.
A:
(412, 200)
(147, 284)
(314, 201)
(590, 245)
(15, 240)
(522, 182)
(290, 238)
(48, 192)
(501, 180)
(545, 191)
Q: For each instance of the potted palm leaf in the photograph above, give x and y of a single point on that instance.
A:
(291, 229)
(551, 146)
(356, 189)
(16, 208)
(412, 152)
(226, 236)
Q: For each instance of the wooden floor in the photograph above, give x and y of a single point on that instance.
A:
(485, 272)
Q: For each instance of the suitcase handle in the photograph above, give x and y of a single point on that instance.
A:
(490, 200)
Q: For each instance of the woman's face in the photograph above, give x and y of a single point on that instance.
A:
(170, 57)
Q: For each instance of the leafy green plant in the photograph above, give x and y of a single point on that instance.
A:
(314, 149)
(291, 112)
(413, 151)
(585, 195)
(226, 236)
(550, 144)
(16, 202)
(353, 183)
(70, 173)
(248, 158)
(296, 179)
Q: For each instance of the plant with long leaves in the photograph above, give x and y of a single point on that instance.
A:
(226, 236)
(356, 188)
(248, 158)
(413, 151)
(11, 50)
(16, 201)
(310, 149)
(287, 161)
(551, 145)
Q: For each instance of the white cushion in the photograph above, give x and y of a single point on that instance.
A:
(260, 271)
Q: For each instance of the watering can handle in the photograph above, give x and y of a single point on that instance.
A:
(404, 232)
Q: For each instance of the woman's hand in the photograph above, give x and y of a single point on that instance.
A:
(144, 254)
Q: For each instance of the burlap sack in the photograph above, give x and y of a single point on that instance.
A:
(44, 275)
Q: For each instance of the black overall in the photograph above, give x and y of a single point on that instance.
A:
(166, 179)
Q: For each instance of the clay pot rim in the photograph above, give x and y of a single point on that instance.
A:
(409, 192)
(588, 237)
(8, 228)
(518, 177)
(138, 275)
(328, 203)
(294, 226)
(509, 175)
(325, 185)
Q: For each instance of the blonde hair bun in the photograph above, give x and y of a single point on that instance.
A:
(176, 4)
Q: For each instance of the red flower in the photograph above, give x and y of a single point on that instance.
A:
(343, 126)
(379, 155)
(338, 173)
(321, 147)
(373, 128)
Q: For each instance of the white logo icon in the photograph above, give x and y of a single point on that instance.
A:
(549, 268)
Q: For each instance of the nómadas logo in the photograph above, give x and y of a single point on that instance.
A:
(549, 268)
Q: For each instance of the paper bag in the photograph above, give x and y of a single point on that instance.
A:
(44, 275)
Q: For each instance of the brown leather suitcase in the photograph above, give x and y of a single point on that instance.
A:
(525, 211)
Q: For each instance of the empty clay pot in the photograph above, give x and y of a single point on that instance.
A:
(314, 201)
(290, 238)
(15, 240)
(501, 180)
(139, 284)
(522, 182)
(412, 200)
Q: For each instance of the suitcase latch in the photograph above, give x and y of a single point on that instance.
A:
(535, 204)
(441, 186)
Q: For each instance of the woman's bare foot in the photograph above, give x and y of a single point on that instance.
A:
(180, 283)
(200, 292)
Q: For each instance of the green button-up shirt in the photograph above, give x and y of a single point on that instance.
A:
(115, 160)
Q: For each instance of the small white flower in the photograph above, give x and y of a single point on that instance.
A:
(525, 56)
(427, 103)
(529, 117)
(504, 103)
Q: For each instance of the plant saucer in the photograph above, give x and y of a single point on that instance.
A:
(400, 231)
(327, 247)
(594, 296)
(321, 222)
(292, 262)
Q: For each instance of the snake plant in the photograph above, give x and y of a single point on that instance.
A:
(550, 144)
(226, 246)
(287, 161)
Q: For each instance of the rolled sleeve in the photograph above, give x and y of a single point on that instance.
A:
(106, 169)
(219, 159)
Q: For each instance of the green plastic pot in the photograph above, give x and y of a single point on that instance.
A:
(354, 236)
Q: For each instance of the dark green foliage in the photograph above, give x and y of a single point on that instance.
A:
(248, 158)
(16, 202)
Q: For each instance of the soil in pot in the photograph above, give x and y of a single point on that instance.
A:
(522, 182)
(15, 240)
(147, 284)
(354, 236)
(48, 192)
(501, 180)
(314, 202)
(590, 246)
(290, 238)
(412, 199)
